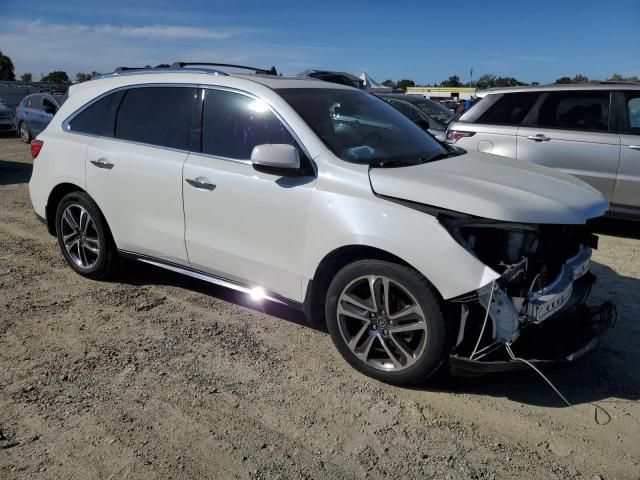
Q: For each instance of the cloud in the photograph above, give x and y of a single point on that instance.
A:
(40, 47)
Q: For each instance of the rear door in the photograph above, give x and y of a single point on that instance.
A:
(626, 197)
(570, 130)
(134, 169)
(492, 125)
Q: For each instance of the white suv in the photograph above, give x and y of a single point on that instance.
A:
(326, 198)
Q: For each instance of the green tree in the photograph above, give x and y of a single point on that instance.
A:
(6, 68)
(486, 81)
(404, 83)
(579, 79)
(453, 81)
(563, 80)
(389, 83)
(83, 77)
(57, 76)
(508, 82)
(26, 77)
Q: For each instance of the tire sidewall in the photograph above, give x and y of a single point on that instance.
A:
(437, 338)
(83, 200)
(29, 136)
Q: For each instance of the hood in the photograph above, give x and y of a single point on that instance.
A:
(493, 187)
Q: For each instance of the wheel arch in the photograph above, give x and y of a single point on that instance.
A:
(332, 262)
(56, 195)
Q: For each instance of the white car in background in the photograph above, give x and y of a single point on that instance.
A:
(326, 198)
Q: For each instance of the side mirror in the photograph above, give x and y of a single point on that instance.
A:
(277, 158)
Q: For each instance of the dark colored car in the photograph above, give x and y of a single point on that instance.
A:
(417, 116)
(6, 118)
(431, 108)
(35, 112)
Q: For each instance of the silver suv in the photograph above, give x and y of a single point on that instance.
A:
(591, 131)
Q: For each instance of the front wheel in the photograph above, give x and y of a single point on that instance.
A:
(387, 321)
(84, 237)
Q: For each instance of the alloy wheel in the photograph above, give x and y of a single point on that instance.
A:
(382, 323)
(79, 236)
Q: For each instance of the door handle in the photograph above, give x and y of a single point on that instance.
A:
(634, 147)
(102, 163)
(201, 183)
(539, 138)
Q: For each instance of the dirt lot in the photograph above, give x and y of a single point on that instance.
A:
(159, 376)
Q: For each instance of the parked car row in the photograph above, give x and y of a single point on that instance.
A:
(414, 253)
(590, 131)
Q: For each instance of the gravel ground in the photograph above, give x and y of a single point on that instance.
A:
(158, 376)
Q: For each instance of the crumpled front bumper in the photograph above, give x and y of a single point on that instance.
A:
(553, 324)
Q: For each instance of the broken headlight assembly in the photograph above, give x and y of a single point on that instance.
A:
(537, 306)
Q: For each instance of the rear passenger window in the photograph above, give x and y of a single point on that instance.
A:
(98, 118)
(632, 102)
(575, 110)
(157, 116)
(509, 109)
(232, 124)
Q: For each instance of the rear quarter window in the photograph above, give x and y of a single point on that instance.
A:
(575, 110)
(98, 118)
(504, 109)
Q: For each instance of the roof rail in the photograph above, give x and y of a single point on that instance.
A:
(271, 71)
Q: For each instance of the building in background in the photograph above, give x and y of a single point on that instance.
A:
(443, 93)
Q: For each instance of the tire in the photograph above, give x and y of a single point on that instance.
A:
(84, 237)
(24, 133)
(414, 332)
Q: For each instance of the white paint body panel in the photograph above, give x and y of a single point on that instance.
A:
(494, 187)
(141, 196)
(273, 232)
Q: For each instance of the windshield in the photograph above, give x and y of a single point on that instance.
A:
(435, 110)
(359, 127)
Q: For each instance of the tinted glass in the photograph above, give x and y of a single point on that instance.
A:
(157, 116)
(359, 127)
(575, 110)
(632, 102)
(232, 124)
(98, 118)
(48, 106)
(407, 110)
(435, 110)
(509, 109)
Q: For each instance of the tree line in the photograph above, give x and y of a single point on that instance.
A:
(492, 81)
(7, 72)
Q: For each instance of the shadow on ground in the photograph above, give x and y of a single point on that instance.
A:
(14, 172)
(608, 371)
(616, 228)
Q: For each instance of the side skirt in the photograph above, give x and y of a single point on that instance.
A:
(256, 292)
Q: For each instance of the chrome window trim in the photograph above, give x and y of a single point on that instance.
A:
(66, 127)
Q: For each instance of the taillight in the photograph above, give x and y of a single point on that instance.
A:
(17, 110)
(454, 135)
(36, 146)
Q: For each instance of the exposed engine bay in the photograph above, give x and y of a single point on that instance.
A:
(537, 306)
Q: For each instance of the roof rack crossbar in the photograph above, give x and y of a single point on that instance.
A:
(263, 71)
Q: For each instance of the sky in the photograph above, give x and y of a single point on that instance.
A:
(420, 40)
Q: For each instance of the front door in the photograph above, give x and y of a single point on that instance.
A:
(570, 131)
(626, 198)
(241, 224)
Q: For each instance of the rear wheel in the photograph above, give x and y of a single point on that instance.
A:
(25, 133)
(387, 321)
(84, 237)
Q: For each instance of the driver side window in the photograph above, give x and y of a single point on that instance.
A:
(233, 124)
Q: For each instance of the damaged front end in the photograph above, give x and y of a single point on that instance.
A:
(537, 306)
